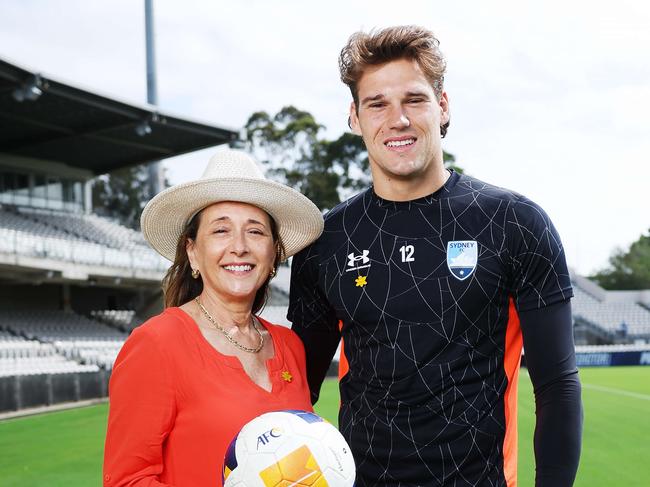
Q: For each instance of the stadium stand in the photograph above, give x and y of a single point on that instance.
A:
(87, 227)
(122, 319)
(60, 262)
(75, 238)
(73, 336)
(611, 317)
(634, 347)
(19, 356)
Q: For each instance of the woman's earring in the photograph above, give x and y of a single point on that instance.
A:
(273, 273)
(196, 273)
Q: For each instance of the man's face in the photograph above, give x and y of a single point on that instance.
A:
(399, 118)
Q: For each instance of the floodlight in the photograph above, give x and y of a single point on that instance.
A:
(30, 90)
(143, 128)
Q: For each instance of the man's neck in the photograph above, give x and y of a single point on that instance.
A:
(392, 188)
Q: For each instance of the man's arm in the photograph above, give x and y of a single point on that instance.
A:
(550, 359)
(320, 346)
(312, 318)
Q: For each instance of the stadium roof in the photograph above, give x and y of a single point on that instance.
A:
(42, 118)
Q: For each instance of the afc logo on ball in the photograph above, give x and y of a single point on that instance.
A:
(267, 436)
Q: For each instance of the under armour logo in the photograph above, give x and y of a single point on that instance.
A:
(355, 260)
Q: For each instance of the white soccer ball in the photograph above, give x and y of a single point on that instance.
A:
(288, 448)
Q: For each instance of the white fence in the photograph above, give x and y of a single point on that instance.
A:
(78, 252)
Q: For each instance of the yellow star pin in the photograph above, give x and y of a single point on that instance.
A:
(287, 376)
(360, 281)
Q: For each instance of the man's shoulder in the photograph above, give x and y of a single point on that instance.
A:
(473, 186)
(492, 199)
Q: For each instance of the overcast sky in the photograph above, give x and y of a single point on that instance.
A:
(551, 100)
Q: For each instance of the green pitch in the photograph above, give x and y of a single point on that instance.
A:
(65, 448)
(616, 436)
(56, 449)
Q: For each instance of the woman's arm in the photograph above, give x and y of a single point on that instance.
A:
(141, 415)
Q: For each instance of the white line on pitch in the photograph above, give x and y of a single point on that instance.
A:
(620, 392)
(611, 390)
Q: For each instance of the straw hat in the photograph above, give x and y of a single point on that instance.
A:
(230, 176)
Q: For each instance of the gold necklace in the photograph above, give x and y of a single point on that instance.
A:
(231, 339)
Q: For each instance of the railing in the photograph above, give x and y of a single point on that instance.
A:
(600, 331)
(24, 391)
(17, 242)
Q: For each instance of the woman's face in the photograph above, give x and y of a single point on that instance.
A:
(233, 250)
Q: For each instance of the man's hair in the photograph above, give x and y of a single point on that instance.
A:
(391, 44)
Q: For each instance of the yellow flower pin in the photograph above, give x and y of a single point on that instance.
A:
(287, 376)
(361, 281)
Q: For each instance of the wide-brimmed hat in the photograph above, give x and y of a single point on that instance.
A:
(230, 176)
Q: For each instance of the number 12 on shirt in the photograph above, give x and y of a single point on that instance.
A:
(407, 252)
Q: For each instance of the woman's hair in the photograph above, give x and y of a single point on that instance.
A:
(391, 44)
(179, 286)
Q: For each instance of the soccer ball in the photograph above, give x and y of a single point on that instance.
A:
(288, 448)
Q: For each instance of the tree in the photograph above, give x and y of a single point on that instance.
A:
(628, 269)
(288, 143)
(326, 171)
(122, 195)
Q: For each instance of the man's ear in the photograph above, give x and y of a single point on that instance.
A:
(353, 120)
(444, 108)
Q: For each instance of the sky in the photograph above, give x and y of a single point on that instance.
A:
(550, 99)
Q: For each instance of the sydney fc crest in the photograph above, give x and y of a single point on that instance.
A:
(462, 256)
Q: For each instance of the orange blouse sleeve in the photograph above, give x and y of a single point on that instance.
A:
(141, 414)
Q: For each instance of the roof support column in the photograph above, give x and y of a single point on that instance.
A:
(155, 168)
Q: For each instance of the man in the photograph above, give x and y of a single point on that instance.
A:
(432, 278)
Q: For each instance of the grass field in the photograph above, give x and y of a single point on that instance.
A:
(65, 448)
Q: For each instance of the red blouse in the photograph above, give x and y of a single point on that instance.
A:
(176, 402)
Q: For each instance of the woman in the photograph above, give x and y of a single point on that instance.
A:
(188, 379)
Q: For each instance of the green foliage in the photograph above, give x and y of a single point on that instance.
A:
(325, 171)
(629, 269)
(122, 195)
(289, 144)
